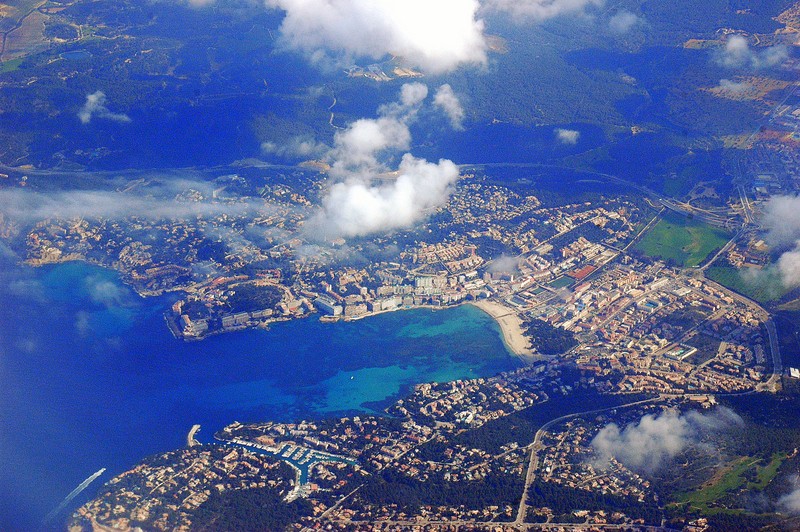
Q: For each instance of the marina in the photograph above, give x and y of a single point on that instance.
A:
(301, 458)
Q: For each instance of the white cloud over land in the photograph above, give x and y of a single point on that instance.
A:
(95, 106)
(359, 148)
(297, 146)
(541, 9)
(447, 100)
(648, 444)
(623, 21)
(781, 219)
(737, 53)
(567, 136)
(365, 196)
(790, 503)
(31, 206)
(359, 208)
(436, 36)
(733, 86)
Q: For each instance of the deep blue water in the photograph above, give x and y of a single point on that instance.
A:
(90, 376)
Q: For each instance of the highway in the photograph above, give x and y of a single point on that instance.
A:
(723, 249)
(773, 384)
(747, 208)
(704, 216)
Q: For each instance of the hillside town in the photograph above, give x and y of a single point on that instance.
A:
(588, 314)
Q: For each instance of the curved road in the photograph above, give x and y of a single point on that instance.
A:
(536, 446)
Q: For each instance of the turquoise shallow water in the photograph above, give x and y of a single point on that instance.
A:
(91, 377)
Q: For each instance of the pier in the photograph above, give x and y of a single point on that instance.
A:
(190, 441)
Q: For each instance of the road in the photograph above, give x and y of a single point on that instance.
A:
(773, 383)
(686, 210)
(646, 228)
(747, 209)
(536, 446)
(327, 512)
(723, 249)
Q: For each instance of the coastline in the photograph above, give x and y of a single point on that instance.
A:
(510, 324)
(507, 319)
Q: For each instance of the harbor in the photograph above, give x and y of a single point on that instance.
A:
(301, 458)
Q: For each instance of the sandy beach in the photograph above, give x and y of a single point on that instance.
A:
(510, 323)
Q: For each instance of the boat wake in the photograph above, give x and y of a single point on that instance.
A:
(74, 493)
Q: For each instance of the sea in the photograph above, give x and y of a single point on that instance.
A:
(91, 377)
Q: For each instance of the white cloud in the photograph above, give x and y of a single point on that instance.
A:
(447, 100)
(504, 264)
(788, 267)
(357, 202)
(27, 345)
(30, 206)
(623, 22)
(737, 54)
(358, 148)
(82, 323)
(27, 288)
(648, 444)
(300, 146)
(437, 36)
(733, 86)
(104, 292)
(790, 503)
(781, 219)
(538, 10)
(95, 106)
(567, 136)
(360, 208)
(6, 253)
(412, 94)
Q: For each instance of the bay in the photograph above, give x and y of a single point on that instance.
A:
(91, 377)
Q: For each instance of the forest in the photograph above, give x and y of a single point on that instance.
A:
(548, 340)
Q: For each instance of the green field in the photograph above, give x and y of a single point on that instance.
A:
(734, 479)
(682, 241)
(766, 473)
(763, 287)
(9, 66)
(730, 481)
(561, 282)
